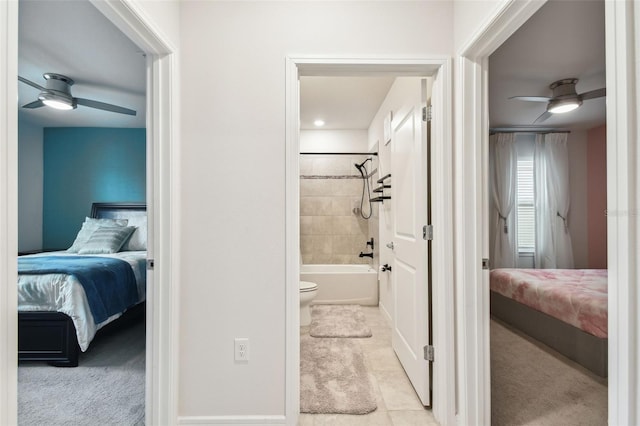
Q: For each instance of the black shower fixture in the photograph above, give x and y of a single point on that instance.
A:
(370, 243)
(361, 165)
(365, 187)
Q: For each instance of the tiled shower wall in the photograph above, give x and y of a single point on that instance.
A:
(331, 230)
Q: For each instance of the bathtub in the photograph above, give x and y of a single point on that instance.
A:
(343, 284)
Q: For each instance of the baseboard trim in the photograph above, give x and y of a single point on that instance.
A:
(232, 420)
(385, 313)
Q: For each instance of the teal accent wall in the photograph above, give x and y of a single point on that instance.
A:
(83, 165)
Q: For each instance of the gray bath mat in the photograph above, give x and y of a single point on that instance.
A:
(333, 377)
(338, 321)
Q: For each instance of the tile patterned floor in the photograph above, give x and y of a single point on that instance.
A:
(398, 404)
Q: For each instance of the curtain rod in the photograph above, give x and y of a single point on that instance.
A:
(338, 153)
(533, 132)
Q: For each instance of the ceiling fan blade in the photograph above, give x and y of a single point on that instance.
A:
(598, 93)
(544, 116)
(31, 83)
(531, 98)
(34, 104)
(104, 106)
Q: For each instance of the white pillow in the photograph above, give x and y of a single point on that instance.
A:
(89, 226)
(107, 240)
(138, 240)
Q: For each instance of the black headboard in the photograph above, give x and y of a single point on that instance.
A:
(118, 210)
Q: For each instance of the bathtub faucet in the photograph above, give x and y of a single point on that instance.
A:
(366, 254)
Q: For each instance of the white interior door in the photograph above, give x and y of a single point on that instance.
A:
(410, 264)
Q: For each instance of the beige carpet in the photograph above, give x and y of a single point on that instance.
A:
(107, 388)
(338, 321)
(533, 385)
(333, 377)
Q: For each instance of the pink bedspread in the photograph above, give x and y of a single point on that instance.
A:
(575, 296)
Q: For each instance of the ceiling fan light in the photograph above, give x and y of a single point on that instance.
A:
(57, 104)
(55, 101)
(562, 106)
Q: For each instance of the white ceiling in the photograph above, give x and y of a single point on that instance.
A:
(564, 39)
(74, 39)
(342, 102)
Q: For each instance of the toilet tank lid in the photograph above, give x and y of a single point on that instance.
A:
(306, 286)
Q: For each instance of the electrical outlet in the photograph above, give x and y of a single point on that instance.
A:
(241, 349)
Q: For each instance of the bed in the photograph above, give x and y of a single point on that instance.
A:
(65, 297)
(565, 309)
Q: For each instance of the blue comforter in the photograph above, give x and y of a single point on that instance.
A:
(110, 284)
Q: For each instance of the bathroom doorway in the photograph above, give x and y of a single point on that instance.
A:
(374, 146)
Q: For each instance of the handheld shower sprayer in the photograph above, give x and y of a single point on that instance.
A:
(365, 187)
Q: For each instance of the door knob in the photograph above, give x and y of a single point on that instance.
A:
(390, 245)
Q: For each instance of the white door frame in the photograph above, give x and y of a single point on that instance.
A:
(471, 153)
(162, 190)
(442, 172)
(622, 23)
(472, 131)
(8, 211)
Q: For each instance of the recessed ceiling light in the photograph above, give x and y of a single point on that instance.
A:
(318, 123)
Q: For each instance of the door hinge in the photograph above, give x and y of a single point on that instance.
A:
(427, 113)
(428, 353)
(150, 264)
(485, 263)
(427, 232)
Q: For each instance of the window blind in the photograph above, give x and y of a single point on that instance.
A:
(525, 207)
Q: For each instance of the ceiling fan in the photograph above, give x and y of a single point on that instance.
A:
(57, 94)
(564, 98)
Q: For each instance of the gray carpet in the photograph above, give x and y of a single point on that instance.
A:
(338, 321)
(107, 388)
(333, 377)
(532, 384)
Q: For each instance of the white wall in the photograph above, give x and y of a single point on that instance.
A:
(233, 163)
(165, 14)
(333, 141)
(30, 186)
(469, 16)
(577, 145)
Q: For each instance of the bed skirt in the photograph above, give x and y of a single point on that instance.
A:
(584, 348)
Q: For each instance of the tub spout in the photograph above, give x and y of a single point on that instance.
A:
(366, 254)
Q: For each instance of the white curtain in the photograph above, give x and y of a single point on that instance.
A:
(559, 181)
(502, 166)
(551, 170)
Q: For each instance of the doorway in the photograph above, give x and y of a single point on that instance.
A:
(442, 406)
(473, 62)
(161, 403)
(573, 145)
(93, 153)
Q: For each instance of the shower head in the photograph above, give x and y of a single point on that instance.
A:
(361, 165)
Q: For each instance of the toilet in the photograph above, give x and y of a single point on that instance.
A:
(308, 291)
